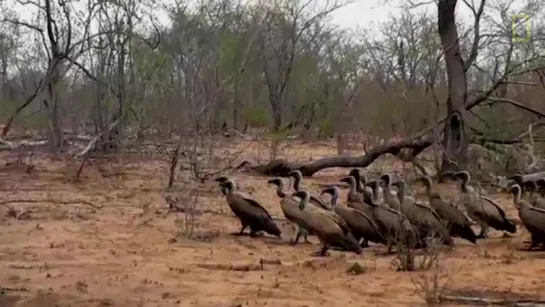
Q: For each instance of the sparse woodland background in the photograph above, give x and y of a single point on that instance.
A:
(73, 70)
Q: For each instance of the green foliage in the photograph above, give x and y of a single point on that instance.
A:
(7, 107)
(327, 128)
(279, 135)
(230, 44)
(257, 116)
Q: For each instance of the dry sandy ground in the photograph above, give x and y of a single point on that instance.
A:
(109, 241)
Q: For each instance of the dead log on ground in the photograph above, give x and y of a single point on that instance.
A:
(277, 167)
(522, 179)
(416, 145)
(488, 301)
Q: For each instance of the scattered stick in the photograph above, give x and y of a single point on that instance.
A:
(489, 301)
(18, 289)
(241, 266)
(55, 201)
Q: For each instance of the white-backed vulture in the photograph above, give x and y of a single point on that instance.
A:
(314, 199)
(327, 228)
(353, 194)
(390, 198)
(532, 218)
(455, 220)
(290, 207)
(482, 209)
(426, 220)
(250, 212)
(361, 225)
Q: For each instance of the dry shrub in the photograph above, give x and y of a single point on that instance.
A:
(203, 156)
(273, 146)
(187, 203)
(409, 258)
(432, 285)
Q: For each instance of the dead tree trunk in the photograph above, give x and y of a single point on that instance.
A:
(455, 142)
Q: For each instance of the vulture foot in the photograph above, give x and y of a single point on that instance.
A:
(321, 253)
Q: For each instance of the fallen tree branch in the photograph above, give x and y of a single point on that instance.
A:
(417, 145)
(521, 179)
(489, 301)
(92, 144)
(7, 145)
(277, 167)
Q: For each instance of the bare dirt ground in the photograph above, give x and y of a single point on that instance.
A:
(110, 241)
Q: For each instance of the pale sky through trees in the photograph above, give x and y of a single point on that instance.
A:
(363, 13)
(358, 13)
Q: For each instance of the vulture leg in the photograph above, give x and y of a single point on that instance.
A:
(300, 231)
(483, 234)
(535, 242)
(322, 252)
(364, 243)
(304, 232)
(296, 239)
(241, 232)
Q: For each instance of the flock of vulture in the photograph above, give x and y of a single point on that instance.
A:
(375, 212)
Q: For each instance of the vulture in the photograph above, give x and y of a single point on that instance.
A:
(290, 207)
(249, 212)
(455, 220)
(532, 218)
(362, 226)
(375, 196)
(390, 198)
(220, 180)
(353, 195)
(314, 199)
(395, 226)
(327, 228)
(482, 209)
(535, 199)
(360, 183)
(423, 217)
(362, 204)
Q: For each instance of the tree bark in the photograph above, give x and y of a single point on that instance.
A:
(455, 142)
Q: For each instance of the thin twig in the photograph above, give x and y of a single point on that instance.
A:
(55, 201)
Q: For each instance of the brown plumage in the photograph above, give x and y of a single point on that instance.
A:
(390, 199)
(361, 225)
(291, 210)
(360, 183)
(423, 217)
(482, 209)
(250, 212)
(326, 227)
(535, 199)
(455, 220)
(393, 224)
(353, 194)
(376, 197)
(314, 199)
(532, 218)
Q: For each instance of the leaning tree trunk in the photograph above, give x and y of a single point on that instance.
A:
(455, 142)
